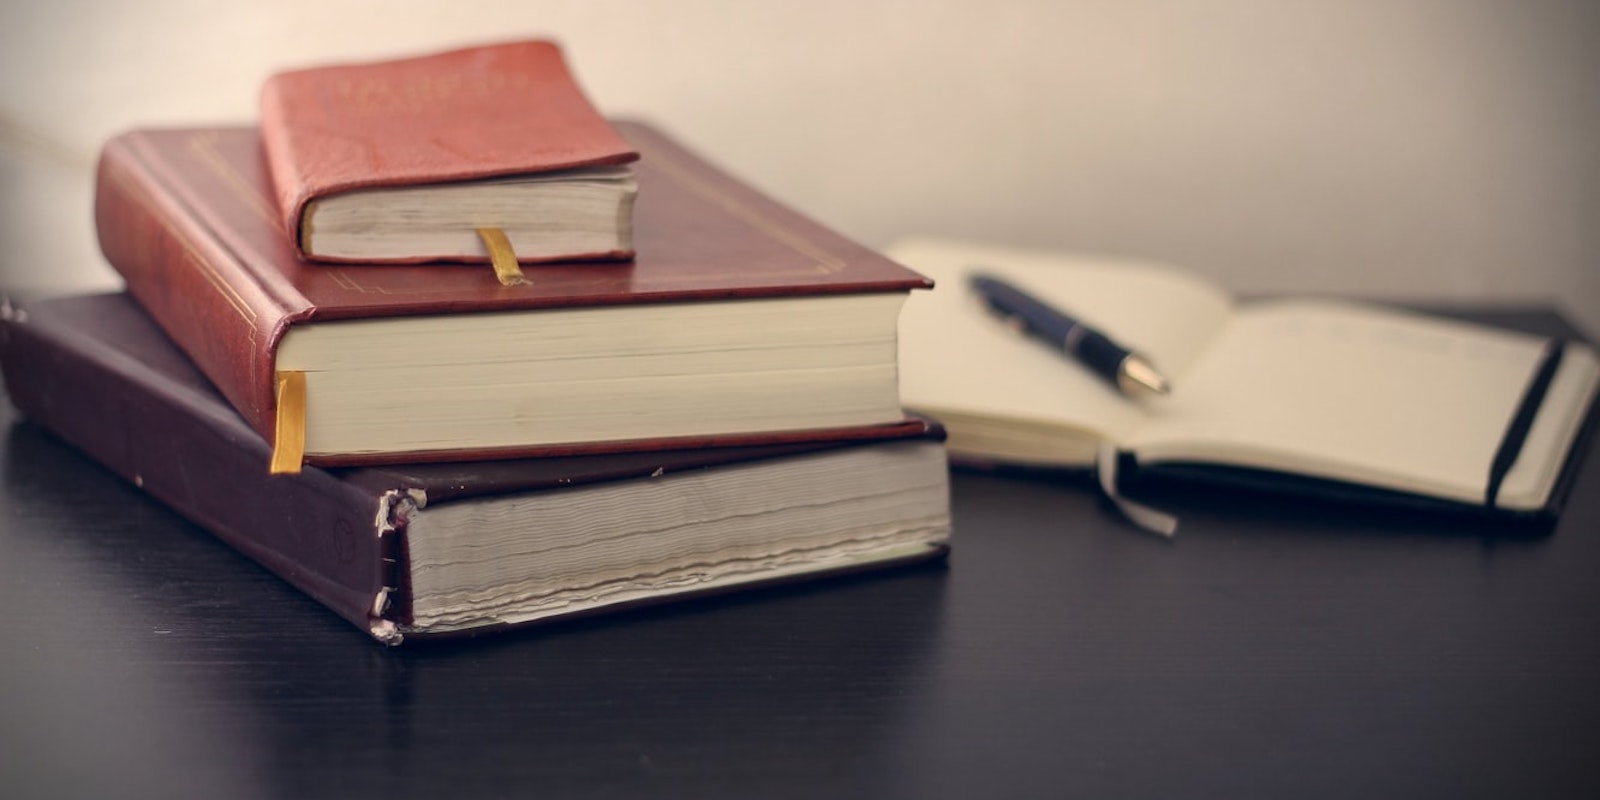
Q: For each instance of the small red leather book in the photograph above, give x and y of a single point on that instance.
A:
(401, 161)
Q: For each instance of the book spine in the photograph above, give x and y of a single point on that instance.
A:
(189, 451)
(190, 282)
(290, 187)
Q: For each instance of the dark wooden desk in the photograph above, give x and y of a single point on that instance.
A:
(1273, 650)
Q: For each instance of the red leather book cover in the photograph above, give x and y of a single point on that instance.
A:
(479, 112)
(96, 371)
(188, 218)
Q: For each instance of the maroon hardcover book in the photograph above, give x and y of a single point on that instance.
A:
(464, 548)
(189, 219)
(492, 111)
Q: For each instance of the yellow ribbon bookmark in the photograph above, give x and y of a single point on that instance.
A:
(502, 257)
(289, 440)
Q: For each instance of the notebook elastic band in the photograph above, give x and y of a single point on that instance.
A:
(1511, 445)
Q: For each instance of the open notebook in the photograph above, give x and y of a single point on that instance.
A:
(1361, 395)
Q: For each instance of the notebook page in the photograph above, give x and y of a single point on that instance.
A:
(1355, 393)
(957, 358)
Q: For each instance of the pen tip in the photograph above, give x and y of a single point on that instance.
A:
(1138, 376)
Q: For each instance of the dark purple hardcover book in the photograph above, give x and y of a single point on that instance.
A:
(439, 549)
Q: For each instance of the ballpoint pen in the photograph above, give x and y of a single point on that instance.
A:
(1129, 371)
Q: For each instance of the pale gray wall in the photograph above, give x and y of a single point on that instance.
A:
(1393, 148)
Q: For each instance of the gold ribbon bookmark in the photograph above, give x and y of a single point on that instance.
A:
(289, 440)
(502, 257)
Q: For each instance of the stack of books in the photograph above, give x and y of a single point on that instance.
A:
(690, 388)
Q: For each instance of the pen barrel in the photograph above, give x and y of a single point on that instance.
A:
(1096, 351)
(1101, 355)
